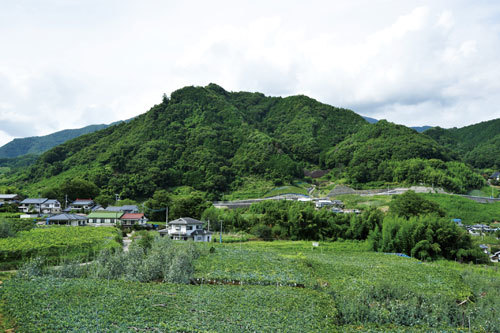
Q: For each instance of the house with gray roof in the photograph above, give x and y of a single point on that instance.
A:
(186, 228)
(127, 209)
(67, 219)
(51, 206)
(9, 198)
(32, 205)
(81, 205)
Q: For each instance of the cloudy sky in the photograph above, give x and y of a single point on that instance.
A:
(71, 63)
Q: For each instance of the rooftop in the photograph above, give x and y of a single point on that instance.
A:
(185, 221)
(104, 215)
(132, 216)
(66, 217)
(33, 201)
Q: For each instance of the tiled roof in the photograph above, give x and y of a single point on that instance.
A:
(132, 216)
(185, 220)
(51, 201)
(67, 217)
(82, 202)
(8, 196)
(33, 201)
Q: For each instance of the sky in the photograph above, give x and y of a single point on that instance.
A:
(71, 63)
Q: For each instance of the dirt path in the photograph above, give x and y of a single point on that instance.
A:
(126, 242)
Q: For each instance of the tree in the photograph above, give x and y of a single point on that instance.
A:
(156, 206)
(411, 204)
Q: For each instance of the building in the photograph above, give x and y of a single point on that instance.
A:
(81, 205)
(51, 206)
(9, 198)
(32, 205)
(130, 219)
(103, 217)
(495, 176)
(125, 209)
(67, 219)
(187, 228)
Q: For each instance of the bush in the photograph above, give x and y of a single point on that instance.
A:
(262, 231)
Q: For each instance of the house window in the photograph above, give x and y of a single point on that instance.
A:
(198, 238)
(198, 227)
(189, 227)
(177, 228)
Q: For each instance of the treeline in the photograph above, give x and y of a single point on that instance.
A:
(414, 226)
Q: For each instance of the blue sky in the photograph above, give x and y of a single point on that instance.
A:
(68, 64)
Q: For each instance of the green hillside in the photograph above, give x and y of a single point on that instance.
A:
(478, 144)
(203, 137)
(213, 141)
(389, 153)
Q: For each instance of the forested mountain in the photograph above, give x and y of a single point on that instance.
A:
(213, 140)
(36, 145)
(478, 144)
(204, 137)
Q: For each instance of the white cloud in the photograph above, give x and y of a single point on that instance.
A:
(70, 64)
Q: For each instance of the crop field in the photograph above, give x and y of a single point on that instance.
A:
(55, 244)
(270, 287)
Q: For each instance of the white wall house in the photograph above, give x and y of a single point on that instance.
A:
(40, 206)
(187, 228)
(51, 206)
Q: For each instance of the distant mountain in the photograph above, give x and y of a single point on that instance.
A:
(478, 144)
(38, 144)
(419, 129)
(370, 120)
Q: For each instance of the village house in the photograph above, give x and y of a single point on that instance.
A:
(125, 209)
(80, 205)
(67, 219)
(103, 217)
(51, 206)
(9, 198)
(187, 228)
(40, 206)
(495, 176)
(130, 219)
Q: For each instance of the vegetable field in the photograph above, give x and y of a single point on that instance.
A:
(55, 244)
(270, 287)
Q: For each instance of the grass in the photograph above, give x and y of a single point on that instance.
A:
(486, 191)
(285, 190)
(468, 210)
(362, 202)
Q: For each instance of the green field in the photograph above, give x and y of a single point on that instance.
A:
(270, 287)
(469, 211)
(55, 244)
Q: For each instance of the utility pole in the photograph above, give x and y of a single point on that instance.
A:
(220, 238)
(65, 201)
(208, 225)
(166, 216)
